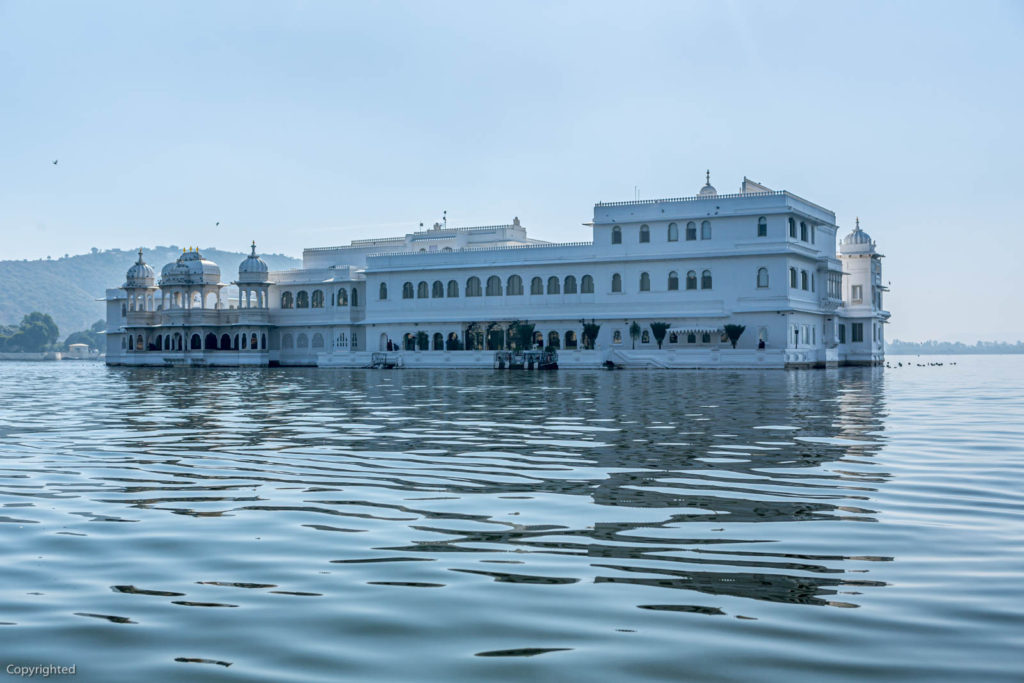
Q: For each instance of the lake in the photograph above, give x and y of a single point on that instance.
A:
(449, 525)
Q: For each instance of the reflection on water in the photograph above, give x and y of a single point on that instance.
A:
(281, 524)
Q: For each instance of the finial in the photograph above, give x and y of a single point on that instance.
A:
(707, 176)
(858, 222)
(140, 254)
(254, 247)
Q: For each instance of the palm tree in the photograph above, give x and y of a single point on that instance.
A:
(659, 330)
(634, 332)
(734, 332)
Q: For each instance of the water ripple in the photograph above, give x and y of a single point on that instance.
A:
(603, 516)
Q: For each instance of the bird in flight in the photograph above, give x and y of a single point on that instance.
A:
(55, 162)
(217, 223)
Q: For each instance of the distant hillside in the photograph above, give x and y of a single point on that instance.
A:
(940, 347)
(67, 288)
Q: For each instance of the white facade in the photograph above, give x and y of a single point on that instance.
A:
(759, 258)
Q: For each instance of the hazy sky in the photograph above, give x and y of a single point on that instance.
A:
(312, 123)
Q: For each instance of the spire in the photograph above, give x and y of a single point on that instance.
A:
(707, 176)
(254, 247)
(858, 222)
(140, 256)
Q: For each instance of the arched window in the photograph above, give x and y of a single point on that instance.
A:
(570, 284)
(254, 342)
(553, 339)
(318, 299)
(263, 342)
(383, 291)
(803, 231)
(210, 341)
(645, 282)
(616, 283)
(318, 341)
(494, 286)
(302, 341)
(225, 342)
(437, 290)
(803, 279)
(473, 286)
(453, 289)
(286, 300)
(812, 282)
(792, 227)
(705, 230)
(245, 341)
(302, 299)
(691, 231)
(355, 296)
(673, 280)
(762, 277)
(587, 285)
(705, 338)
(438, 342)
(792, 278)
(645, 233)
(645, 337)
(673, 232)
(762, 227)
(570, 340)
(409, 341)
(673, 338)
(617, 337)
(616, 235)
(705, 279)
(343, 296)
(422, 292)
(536, 286)
(553, 285)
(194, 343)
(406, 290)
(691, 279)
(514, 286)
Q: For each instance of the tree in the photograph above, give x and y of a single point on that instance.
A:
(473, 336)
(93, 336)
(590, 331)
(734, 332)
(659, 330)
(634, 332)
(495, 336)
(35, 332)
(521, 334)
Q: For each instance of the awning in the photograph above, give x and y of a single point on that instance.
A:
(696, 329)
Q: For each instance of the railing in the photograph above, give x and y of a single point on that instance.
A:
(371, 242)
(392, 240)
(694, 198)
(699, 198)
(510, 247)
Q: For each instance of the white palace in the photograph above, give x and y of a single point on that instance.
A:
(681, 270)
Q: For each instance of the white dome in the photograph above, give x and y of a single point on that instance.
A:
(708, 190)
(253, 268)
(857, 238)
(190, 269)
(141, 274)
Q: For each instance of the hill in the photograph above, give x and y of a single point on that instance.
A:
(67, 288)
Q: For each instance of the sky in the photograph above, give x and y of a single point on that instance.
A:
(301, 124)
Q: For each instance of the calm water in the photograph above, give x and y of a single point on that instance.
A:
(293, 525)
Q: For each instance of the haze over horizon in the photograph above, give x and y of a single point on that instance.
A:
(314, 123)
